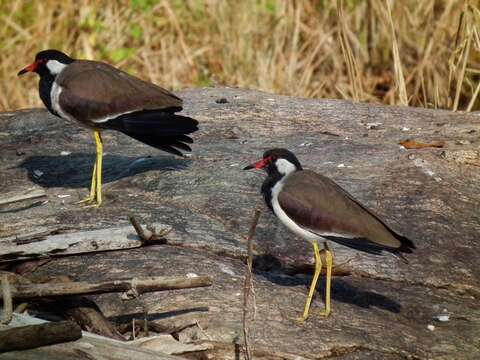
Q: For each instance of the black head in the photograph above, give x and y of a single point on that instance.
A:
(279, 161)
(48, 62)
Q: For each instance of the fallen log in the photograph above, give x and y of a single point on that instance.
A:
(83, 311)
(90, 346)
(7, 300)
(86, 314)
(42, 245)
(33, 336)
(131, 287)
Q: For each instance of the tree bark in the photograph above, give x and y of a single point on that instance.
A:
(32, 336)
(132, 287)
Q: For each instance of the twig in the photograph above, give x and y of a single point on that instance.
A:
(7, 300)
(159, 283)
(143, 234)
(148, 234)
(21, 308)
(26, 195)
(248, 289)
(145, 324)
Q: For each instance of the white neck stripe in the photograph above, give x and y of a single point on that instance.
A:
(285, 167)
(55, 67)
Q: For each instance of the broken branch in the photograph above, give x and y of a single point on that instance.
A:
(139, 286)
(7, 300)
(248, 285)
(148, 234)
(32, 336)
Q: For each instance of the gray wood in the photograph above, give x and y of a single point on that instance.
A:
(90, 346)
(92, 349)
(44, 245)
(22, 196)
(32, 336)
(381, 307)
(131, 286)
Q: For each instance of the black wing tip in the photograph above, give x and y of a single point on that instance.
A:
(170, 149)
(407, 245)
(185, 139)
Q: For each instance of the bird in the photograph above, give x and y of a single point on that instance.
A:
(315, 208)
(102, 97)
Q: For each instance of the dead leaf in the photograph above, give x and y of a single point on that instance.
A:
(413, 144)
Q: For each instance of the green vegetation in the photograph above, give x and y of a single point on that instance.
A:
(422, 53)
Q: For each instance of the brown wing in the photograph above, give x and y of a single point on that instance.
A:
(92, 90)
(317, 203)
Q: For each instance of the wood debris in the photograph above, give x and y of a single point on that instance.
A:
(133, 287)
(414, 144)
(28, 194)
(32, 336)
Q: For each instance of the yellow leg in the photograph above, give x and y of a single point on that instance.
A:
(329, 265)
(98, 167)
(313, 285)
(93, 186)
(96, 184)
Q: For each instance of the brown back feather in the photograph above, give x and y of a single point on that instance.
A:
(92, 90)
(320, 205)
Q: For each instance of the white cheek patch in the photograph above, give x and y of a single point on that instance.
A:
(55, 67)
(285, 167)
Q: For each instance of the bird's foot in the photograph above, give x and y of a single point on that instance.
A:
(88, 200)
(301, 320)
(297, 320)
(324, 313)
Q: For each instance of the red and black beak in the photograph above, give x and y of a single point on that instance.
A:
(259, 164)
(30, 68)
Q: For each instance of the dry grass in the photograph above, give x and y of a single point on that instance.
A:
(424, 53)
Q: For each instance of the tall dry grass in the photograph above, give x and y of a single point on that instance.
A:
(421, 53)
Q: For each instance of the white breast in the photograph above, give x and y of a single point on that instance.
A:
(292, 226)
(289, 223)
(55, 100)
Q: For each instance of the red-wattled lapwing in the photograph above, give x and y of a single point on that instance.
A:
(102, 97)
(316, 208)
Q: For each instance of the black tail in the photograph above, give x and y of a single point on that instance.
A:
(162, 130)
(406, 246)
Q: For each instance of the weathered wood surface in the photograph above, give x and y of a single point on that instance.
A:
(381, 307)
(33, 336)
(133, 286)
(89, 346)
(41, 244)
(25, 195)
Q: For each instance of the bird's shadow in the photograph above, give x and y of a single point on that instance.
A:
(341, 290)
(75, 170)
